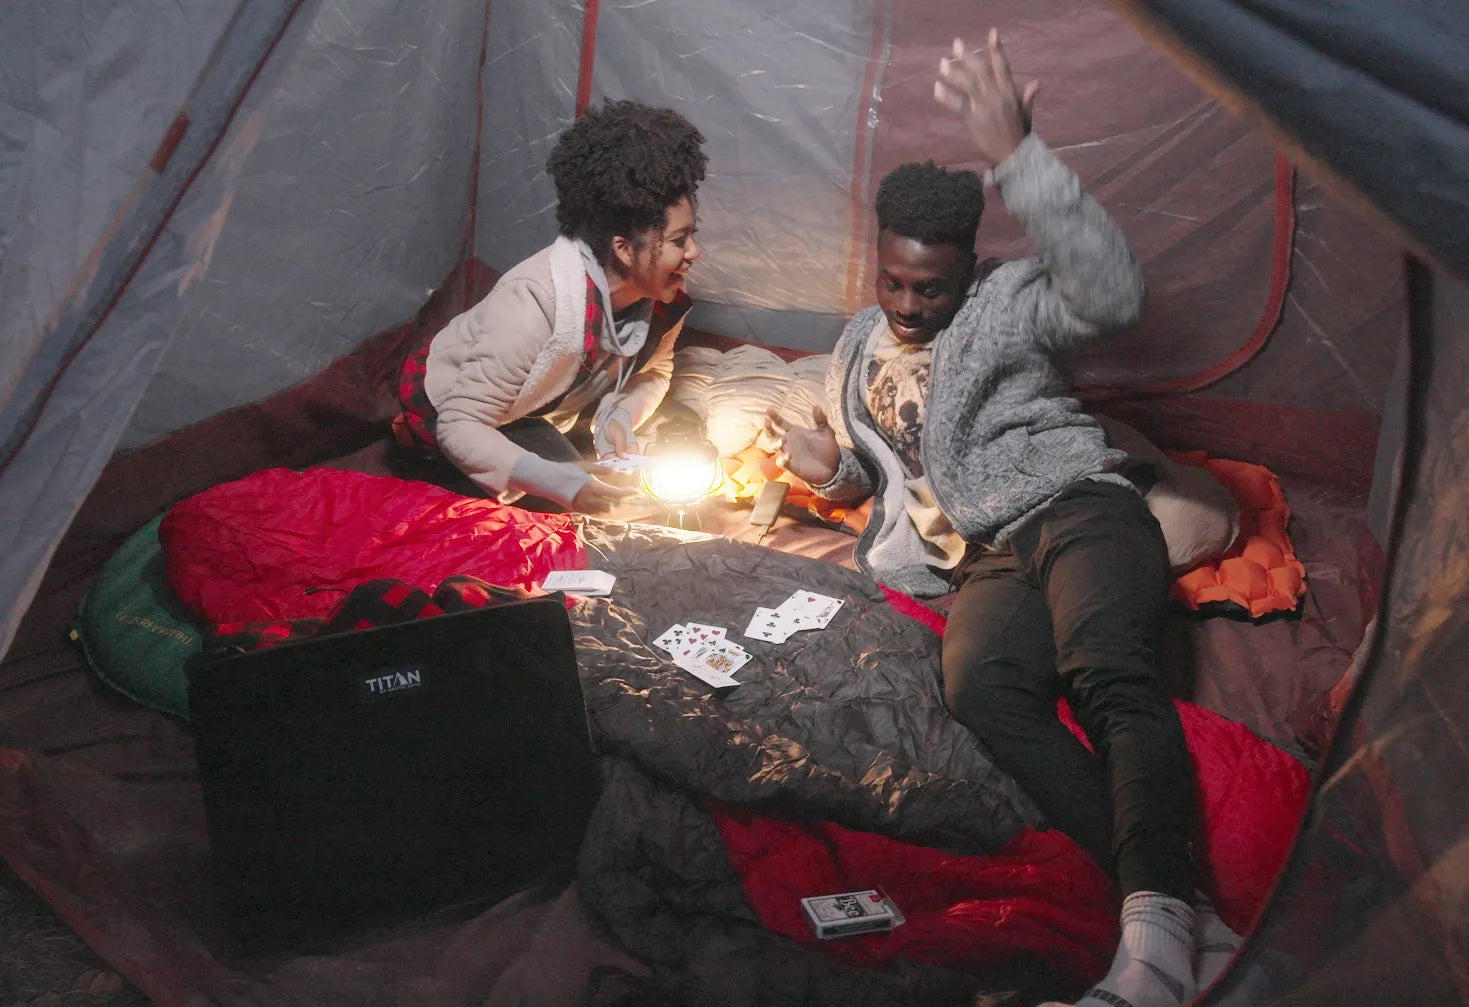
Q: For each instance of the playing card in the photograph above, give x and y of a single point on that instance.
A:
(632, 463)
(672, 638)
(686, 649)
(726, 656)
(809, 610)
(715, 662)
(802, 610)
(769, 625)
(677, 635)
(699, 631)
(710, 678)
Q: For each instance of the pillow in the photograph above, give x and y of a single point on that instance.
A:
(731, 391)
(134, 632)
(1199, 517)
(1259, 573)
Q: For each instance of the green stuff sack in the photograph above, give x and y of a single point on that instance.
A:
(135, 634)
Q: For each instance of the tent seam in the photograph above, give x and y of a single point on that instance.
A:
(1282, 247)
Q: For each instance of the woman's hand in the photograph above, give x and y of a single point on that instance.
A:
(981, 91)
(597, 497)
(622, 443)
(813, 455)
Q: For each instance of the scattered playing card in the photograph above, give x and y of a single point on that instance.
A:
(802, 610)
(704, 651)
(710, 678)
(810, 610)
(769, 625)
(683, 633)
(632, 463)
(699, 631)
(714, 661)
(672, 638)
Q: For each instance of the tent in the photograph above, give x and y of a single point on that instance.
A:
(208, 206)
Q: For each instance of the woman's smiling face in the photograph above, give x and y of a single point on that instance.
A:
(661, 262)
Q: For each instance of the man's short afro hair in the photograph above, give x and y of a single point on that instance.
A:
(620, 167)
(930, 204)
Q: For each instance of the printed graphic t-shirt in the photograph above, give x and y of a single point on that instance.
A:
(897, 392)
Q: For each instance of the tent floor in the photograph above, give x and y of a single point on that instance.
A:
(43, 963)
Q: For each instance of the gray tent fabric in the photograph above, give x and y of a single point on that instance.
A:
(1378, 94)
(83, 112)
(336, 159)
(311, 231)
(1379, 878)
(1376, 91)
(69, 393)
(779, 127)
(375, 140)
(319, 228)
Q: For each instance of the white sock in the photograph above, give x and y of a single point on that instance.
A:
(1214, 943)
(1154, 963)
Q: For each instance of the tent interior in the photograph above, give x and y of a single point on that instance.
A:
(225, 226)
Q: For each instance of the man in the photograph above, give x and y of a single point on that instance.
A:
(987, 478)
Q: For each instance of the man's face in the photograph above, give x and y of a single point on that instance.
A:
(920, 287)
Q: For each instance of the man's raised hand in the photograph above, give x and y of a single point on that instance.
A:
(981, 90)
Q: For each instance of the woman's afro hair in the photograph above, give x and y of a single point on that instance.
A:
(931, 204)
(620, 167)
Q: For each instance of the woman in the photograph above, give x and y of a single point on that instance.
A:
(583, 330)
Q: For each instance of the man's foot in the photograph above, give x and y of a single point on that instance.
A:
(1154, 963)
(1214, 943)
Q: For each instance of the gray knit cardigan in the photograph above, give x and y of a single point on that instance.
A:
(1003, 434)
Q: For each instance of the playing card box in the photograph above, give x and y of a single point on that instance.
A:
(849, 913)
(592, 583)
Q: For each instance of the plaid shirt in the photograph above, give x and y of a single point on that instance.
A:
(376, 603)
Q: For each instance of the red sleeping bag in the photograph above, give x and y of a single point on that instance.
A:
(1040, 896)
(286, 545)
(281, 545)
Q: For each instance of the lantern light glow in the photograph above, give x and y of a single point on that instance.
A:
(683, 477)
